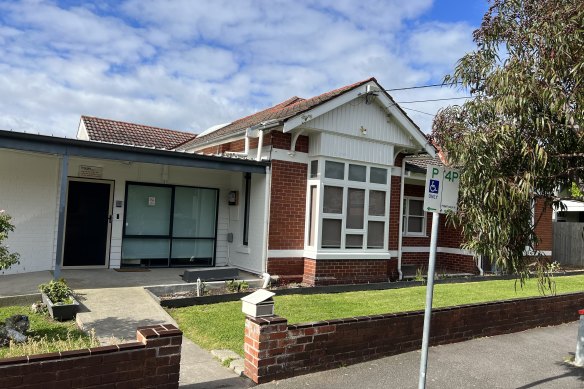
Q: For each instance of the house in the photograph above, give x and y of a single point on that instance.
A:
(325, 190)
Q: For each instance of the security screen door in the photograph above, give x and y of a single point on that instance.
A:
(169, 226)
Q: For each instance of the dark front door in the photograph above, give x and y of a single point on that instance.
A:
(86, 233)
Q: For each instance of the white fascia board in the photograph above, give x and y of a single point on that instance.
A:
(301, 118)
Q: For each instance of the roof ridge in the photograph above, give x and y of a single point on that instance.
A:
(138, 124)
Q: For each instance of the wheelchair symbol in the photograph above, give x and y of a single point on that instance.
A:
(434, 186)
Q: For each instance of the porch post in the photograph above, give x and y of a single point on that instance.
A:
(61, 222)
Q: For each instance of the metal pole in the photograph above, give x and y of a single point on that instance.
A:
(61, 222)
(429, 295)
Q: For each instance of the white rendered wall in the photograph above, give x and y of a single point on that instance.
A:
(29, 193)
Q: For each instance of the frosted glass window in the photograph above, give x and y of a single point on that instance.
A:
(375, 232)
(416, 207)
(353, 241)
(376, 203)
(314, 169)
(136, 248)
(148, 210)
(414, 217)
(357, 173)
(192, 248)
(194, 212)
(332, 201)
(355, 208)
(378, 175)
(334, 170)
(331, 233)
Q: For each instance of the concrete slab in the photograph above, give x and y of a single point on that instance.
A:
(20, 284)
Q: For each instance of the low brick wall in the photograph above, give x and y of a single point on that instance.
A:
(153, 361)
(275, 350)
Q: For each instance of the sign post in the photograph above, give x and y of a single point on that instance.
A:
(440, 195)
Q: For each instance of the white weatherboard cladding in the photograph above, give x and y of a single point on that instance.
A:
(28, 192)
(248, 257)
(350, 117)
(350, 148)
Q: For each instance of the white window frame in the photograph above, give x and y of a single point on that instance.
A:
(320, 181)
(406, 216)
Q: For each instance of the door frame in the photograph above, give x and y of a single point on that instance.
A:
(111, 184)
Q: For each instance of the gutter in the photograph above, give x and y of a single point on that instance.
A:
(249, 132)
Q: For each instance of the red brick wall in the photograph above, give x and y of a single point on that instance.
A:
(153, 361)
(394, 207)
(275, 350)
(284, 141)
(287, 205)
(345, 271)
(543, 229)
(288, 269)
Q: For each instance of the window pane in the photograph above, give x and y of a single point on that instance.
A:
(148, 210)
(376, 203)
(415, 224)
(334, 170)
(375, 232)
(416, 208)
(313, 169)
(332, 200)
(145, 248)
(194, 212)
(378, 175)
(357, 173)
(331, 233)
(355, 208)
(353, 241)
(192, 251)
(313, 215)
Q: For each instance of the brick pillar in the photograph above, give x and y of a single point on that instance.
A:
(163, 362)
(265, 340)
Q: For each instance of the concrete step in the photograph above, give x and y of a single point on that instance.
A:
(211, 274)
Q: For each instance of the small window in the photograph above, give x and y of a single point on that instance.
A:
(332, 199)
(375, 233)
(414, 222)
(378, 175)
(331, 233)
(357, 173)
(355, 208)
(353, 241)
(314, 169)
(376, 203)
(334, 170)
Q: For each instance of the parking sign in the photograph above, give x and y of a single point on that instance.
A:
(441, 192)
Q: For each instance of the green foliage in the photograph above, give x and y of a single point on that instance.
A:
(57, 291)
(576, 192)
(234, 286)
(522, 136)
(221, 326)
(7, 259)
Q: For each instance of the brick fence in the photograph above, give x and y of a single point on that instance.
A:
(275, 350)
(153, 361)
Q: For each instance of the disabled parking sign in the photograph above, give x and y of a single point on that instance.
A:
(441, 192)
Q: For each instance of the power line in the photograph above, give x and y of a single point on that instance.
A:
(444, 99)
(415, 110)
(422, 86)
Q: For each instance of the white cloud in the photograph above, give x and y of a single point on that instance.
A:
(188, 65)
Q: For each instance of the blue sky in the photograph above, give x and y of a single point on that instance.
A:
(190, 64)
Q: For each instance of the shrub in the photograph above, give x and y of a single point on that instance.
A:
(7, 259)
(57, 291)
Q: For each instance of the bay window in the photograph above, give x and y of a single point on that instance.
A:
(347, 206)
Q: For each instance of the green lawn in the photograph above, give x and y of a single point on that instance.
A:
(45, 334)
(218, 326)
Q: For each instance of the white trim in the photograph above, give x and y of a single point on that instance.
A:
(347, 255)
(284, 155)
(285, 253)
(445, 250)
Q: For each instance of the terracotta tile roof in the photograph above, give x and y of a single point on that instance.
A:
(420, 163)
(282, 111)
(113, 131)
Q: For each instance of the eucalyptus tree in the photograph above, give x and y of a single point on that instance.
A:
(521, 136)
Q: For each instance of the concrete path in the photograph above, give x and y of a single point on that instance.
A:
(116, 312)
(529, 359)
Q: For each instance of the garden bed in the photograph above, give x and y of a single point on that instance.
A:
(45, 334)
(185, 295)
